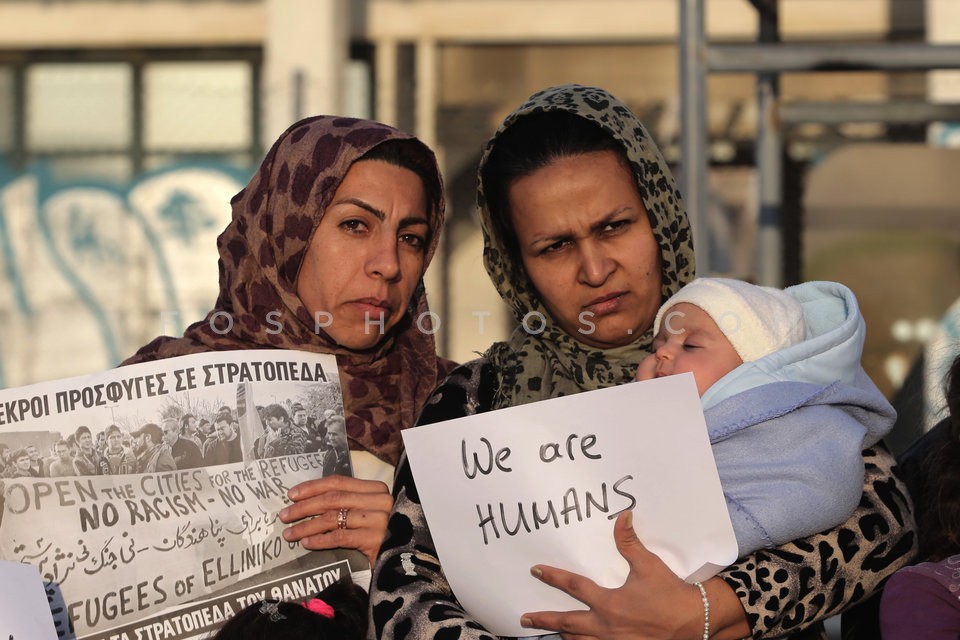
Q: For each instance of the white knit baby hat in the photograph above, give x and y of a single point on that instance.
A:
(756, 320)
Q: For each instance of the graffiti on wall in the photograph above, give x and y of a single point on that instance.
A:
(92, 271)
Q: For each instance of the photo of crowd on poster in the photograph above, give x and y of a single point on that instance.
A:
(177, 440)
(150, 493)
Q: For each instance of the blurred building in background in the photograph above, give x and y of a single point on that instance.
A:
(126, 125)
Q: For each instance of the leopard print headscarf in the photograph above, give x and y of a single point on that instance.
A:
(552, 363)
(261, 251)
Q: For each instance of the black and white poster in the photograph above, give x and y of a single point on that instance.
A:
(147, 496)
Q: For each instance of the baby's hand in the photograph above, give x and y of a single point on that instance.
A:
(647, 369)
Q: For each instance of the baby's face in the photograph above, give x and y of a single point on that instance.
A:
(689, 341)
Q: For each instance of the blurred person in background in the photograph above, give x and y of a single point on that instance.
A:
(923, 600)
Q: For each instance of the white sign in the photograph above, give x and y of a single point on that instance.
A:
(542, 483)
(24, 612)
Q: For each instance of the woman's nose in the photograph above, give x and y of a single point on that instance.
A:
(595, 266)
(384, 260)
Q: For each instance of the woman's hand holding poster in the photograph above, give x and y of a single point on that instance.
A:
(542, 483)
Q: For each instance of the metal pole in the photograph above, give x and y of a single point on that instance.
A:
(749, 58)
(427, 79)
(894, 111)
(693, 126)
(18, 152)
(297, 99)
(385, 82)
(137, 117)
(769, 160)
(256, 112)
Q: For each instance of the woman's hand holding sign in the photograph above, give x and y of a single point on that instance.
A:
(338, 511)
(646, 606)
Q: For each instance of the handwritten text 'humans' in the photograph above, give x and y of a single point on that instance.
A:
(575, 504)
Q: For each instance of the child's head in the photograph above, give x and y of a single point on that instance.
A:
(339, 612)
(713, 325)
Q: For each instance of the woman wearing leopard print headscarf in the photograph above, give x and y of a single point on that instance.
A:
(336, 227)
(585, 236)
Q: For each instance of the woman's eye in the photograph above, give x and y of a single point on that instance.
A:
(552, 248)
(616, 225)
(412, 239)
(353, 225)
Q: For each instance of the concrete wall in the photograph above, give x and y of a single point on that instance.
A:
(449, 69)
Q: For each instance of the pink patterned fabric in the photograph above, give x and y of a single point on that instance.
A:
(319, 607)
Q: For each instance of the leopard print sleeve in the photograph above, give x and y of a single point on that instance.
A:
(786, 592)
(409, 595)
(789, 590)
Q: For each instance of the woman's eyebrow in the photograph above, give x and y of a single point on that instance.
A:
(610, 217)
(411, 221)
(567, 234)
(551, 237)
(381, 215)
(366, 206)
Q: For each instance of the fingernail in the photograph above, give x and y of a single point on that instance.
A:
(629, 519)
(526, 622)
(536, 572)
(293, 493)
(287, 535)
(284, 513)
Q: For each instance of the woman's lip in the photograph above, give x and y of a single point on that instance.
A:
(605, 304)
(604, 298)
(373, 306)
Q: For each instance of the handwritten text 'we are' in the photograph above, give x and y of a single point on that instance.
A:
(523, 514)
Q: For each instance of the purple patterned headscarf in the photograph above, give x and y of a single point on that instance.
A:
(261, 251)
